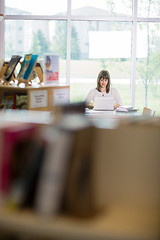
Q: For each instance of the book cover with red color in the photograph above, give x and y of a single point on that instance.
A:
(51, 69)
(10, 137)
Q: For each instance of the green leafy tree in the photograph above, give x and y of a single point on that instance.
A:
(59, 43)
(43, 43)
(75, 49)
(35, 48)
(9, 48)
(148, 68)
(39, 44)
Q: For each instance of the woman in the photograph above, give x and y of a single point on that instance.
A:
(103, 89)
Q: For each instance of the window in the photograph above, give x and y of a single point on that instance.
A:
(100, 46)
(148, 71)
(39, 37)
(35, 7)
(147, 8)
(120, 36)
(102, 8)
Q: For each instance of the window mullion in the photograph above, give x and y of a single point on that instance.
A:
(133, 53)
(2, 30)
(68, 42)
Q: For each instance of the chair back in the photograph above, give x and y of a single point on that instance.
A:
(148, 112)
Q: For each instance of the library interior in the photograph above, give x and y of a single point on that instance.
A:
(79, 120)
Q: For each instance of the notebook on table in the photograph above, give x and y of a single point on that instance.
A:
(103, 104)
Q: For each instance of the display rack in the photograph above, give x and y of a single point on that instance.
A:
(40, 97)
(37, 71)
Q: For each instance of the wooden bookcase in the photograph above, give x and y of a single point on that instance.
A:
(122, 218)
(40, 97)
(118, 222)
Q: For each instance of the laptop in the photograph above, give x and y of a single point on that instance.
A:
(103, 104)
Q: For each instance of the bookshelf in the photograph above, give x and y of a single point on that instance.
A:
(40, 97)
(132, 195)
(118, 222)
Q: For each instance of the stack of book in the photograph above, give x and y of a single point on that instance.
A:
(125, 108)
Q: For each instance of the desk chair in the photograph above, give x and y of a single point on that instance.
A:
(148, 112)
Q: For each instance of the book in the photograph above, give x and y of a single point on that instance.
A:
(14, 101)
(78, 195)
(9, 100)
(10, 137)
(126, 109)
(24, 66)
(21, 101)
(51, 68)
(55, 170)
(52, 178)
(81, 188)
(24, 179)
(11, 67)
(30, 67)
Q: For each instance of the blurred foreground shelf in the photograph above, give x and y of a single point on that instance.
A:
(26, 116)
(117, 223)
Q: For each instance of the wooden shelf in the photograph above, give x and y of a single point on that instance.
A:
(26, 116)
(116, 223)
(40, 97)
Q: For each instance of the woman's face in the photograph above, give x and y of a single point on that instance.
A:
(103, 82)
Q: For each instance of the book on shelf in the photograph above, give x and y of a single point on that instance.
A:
(125, 108)
(21, 101)
(24, 66)
(24, 179)
(30, 68)
(51, 68)
(79, 193)
(80, 196)
(10, 137)
(14, 101)
(63, 174)
(11, 67)
(52, 178)
(9, 100)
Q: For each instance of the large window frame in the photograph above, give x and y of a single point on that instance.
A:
(134, 19)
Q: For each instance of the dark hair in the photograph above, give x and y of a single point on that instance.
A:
(103, 74)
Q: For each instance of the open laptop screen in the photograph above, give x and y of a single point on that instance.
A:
(103, 103)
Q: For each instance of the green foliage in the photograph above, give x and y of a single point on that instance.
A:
(9, 49)
(43, 43)
(111, 5)
(59, 43)
(35, 48)
(148, 68)
(75, 49)
(39, 44)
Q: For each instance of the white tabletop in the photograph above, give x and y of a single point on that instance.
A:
(110, 114)
(108, 119)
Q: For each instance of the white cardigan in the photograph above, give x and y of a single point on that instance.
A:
(112, 93)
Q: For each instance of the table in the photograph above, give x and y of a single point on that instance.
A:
(108, 119)
(110, 114)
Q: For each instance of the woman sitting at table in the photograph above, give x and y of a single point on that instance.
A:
(103, 89)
